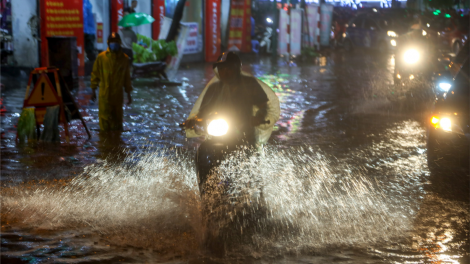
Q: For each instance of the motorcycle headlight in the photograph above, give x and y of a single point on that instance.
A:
(445, 86)
(424, 32)
(392, 34)
(393, 42)
(411, 56)
(446, 124)
(218, 127)
(269, 20)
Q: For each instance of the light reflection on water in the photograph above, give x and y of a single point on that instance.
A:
(362, 196)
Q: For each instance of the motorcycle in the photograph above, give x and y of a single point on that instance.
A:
(416, 57)
(220, 143)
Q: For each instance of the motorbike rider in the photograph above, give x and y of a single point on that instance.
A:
(234, 96)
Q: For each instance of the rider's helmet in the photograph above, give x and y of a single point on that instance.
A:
(228, 59)
(115, 38)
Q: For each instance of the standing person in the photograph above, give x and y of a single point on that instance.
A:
(111, 72)
(131, 9)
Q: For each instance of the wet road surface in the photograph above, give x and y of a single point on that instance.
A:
(344, 177)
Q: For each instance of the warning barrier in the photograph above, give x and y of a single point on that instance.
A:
(46, 93)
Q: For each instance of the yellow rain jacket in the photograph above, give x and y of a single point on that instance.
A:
(111, 72)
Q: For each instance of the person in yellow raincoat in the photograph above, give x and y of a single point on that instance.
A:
(111, 72)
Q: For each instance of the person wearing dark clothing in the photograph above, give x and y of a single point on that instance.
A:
(131, 9)
(233, 97)
(243, 95)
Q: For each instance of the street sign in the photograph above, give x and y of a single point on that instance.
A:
(46, 93)
(43, 94)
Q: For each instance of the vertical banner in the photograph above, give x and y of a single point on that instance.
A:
(117, 12)
(62, 18)
(282, 36)
(312, 20)
(99, 32)
(240, 26)
(192, 44)
(212, 30)
(158, 12)
(295, 31)
(325, 19)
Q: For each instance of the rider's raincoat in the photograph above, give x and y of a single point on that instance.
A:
(262, 132)
(111, 72)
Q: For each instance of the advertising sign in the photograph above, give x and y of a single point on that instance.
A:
(158, 12)
(325, 20)
(295, 31)
(212, 30)
(99, 32)
(240, 26)
(62, 18)
(192, 44)
(283, 37)
(117, 12)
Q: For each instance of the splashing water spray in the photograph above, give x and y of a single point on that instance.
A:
(278, 201)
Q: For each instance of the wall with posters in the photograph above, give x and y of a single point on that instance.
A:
(62, 18)
(25, 45)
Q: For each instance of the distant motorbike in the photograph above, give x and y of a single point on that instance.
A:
(416, 57)
(263, 34)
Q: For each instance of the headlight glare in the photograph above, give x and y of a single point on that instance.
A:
(445, 86)
(446, 124)
(217, 127)
(392, 34)
(411, 56)
(393, 42)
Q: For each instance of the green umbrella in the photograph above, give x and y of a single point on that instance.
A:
(135, 19)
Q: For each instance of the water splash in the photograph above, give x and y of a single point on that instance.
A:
(280, 200)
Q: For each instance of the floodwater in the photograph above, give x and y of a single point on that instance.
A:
(344, 178)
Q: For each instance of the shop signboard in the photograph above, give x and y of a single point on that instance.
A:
(62, 18)
(325, 20)
(240, 26)
(212, 30)
(283, 37)
(158, 12)
(295, 31)
(99, 32)
(192, 45)
(117, 12)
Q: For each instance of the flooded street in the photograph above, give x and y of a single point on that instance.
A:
(343, 179)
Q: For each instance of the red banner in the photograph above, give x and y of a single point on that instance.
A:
(62, 18)
(212, 38)
(240, 26)
(158, 12)
(117, 12)
(99, 32)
